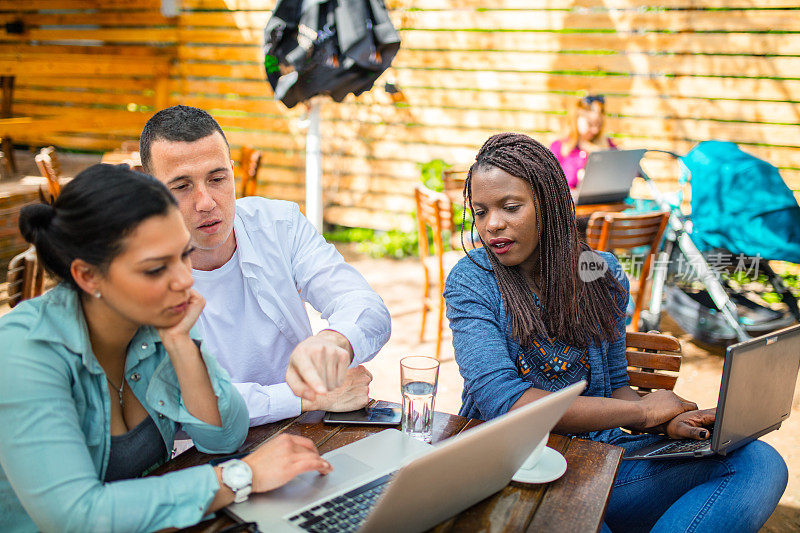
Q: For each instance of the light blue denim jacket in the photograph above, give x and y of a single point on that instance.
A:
(485, 351)
(55, 427)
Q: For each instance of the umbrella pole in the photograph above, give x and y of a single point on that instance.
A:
(314, 167)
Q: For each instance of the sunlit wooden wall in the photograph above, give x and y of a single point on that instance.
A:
(674, 73)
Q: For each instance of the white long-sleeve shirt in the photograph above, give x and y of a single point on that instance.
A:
(255, 313)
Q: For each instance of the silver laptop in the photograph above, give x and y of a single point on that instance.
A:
(755, 397)
(390, 482)
(608, 176)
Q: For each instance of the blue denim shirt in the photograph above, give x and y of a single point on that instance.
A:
(55, 419)
(485, 351)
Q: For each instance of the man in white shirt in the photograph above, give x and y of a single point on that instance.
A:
(256, 261)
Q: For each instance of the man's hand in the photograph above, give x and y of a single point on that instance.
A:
(691, 424)
(351, 395)
(319, 364)
(661, 406)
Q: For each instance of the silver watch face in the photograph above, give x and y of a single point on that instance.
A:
(236, 474)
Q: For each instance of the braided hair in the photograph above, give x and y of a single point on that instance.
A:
(572, 310)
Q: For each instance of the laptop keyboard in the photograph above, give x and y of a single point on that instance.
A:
(342, 513)
(679, 446)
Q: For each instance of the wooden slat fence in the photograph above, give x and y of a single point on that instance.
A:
(674, 72)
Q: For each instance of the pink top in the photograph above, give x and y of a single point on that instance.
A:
(573, 161)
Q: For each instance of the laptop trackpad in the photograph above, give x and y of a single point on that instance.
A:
(346, 469)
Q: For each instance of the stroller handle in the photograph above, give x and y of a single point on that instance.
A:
(673, 154)
(679, 235)
(661, 199)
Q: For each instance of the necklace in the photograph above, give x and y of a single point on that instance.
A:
(118, 389)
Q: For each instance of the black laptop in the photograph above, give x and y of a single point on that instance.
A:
(755, 397)
(608, 176)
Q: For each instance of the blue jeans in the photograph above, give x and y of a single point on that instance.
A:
(734, 493)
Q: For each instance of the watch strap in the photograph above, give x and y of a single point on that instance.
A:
(240, 492)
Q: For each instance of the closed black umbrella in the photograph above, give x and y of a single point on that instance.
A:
(327, 47)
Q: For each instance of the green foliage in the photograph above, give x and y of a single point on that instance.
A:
(431, 174)
(344, 234)
(396, 243)
(392, 243)
(772, 297)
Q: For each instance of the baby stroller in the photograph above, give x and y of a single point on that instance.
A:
(709, 275)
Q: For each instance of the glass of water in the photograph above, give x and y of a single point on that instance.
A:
(419, 376)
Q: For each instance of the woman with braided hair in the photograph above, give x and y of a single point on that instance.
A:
(535, 310)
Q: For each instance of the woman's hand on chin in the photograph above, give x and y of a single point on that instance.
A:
(190, 316)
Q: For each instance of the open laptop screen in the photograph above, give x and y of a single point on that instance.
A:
(608, 176)
(757, 388)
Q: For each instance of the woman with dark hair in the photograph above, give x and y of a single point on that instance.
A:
(99, 373)
(535, 310)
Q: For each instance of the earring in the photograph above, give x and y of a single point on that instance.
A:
(97, 295)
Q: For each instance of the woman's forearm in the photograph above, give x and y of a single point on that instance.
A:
(588, 413)
(196, 390)
(224, 495)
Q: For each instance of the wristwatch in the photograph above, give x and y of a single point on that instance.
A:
(237, 476)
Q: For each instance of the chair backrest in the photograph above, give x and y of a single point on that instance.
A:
(654, 360)
(249, 161)
(49, 167)
(611, 231)
(6, 171)
(435, 211)
(25, 277)
(453, 180)
(129, 146)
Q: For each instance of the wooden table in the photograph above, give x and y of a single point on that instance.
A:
(575, 502)
(586, 210)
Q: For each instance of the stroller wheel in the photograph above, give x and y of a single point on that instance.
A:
(647, 322)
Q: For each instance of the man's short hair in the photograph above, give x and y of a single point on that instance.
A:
(178, 123)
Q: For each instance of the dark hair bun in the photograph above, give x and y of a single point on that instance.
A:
(35, 218)
(91, 216)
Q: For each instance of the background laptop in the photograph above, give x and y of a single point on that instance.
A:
(608, 176)
(436, 482)
(755, 396)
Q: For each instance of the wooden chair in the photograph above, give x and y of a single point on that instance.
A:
(614, 231)
(453, 180)
(49, 167)
(25, 277)
(434, 211)
(654, 360)
(129, 146)
(6, 170)
(249, 161)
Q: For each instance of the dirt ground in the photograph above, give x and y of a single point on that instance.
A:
(399, 284)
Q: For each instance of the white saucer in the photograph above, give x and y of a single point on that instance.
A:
(551, 466)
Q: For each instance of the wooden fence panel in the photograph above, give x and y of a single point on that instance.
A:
(674, 72)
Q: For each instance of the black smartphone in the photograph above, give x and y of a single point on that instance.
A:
(381, 416)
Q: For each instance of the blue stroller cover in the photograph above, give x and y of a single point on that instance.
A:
(741, 204)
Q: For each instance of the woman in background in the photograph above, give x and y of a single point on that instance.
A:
(100, 372)
(585, 134)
